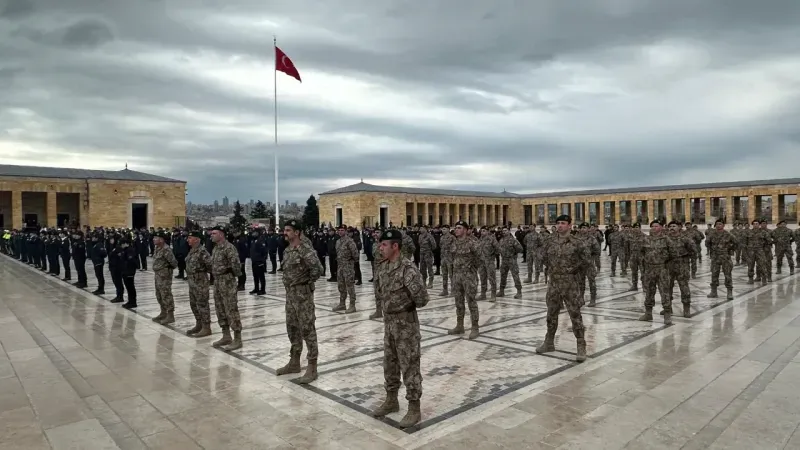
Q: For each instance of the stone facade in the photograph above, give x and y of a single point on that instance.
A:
(771, 201)
(93, 202)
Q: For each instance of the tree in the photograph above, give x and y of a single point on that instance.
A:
(238, 222)
(259, 211)
(311, 213)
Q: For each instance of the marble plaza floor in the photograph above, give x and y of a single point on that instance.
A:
(79, 372)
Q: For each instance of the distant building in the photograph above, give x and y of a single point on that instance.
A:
(225, 202)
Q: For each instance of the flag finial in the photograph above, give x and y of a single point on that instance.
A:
(126, 166)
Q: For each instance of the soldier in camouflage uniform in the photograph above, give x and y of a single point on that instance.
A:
(738, 234)
(589, 273)
(489, 250)
(301, 269)
(198, 266)
(656, 252)
(225, 267)
(509, 249)
(466, 261)
(696, 237)
(722, 244)
(768, 248)
(409, 248)
(755, 241)
(634, 242)
(616, 240)
(347, 256)
(531, 243)
(446, 245)
(164, 263)
(796, 237)
(427, 244)
(783, 237)
(683, 248)
(376, 258)
(566, 256)
(401, 290)
(624, 256)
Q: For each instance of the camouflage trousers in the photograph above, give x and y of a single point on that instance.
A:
(625, 259)
(533, 261)
(588, 274)
(596, 259)
(768, 261)
(465, 286)
(487, 272)
(780, 252)
(164, 297)
(564, 289)
(679, 272)
(692, 263)
(346, 282)
(657, 276)
(739, 254)
(426, 265)
(721, 262)
(401, 354)
(198, 297)
(301, 320)
(636, 267)
(756, 264)
(226, 301)
(615, 255)
(539, 263)
(509, 265)
(446, 271)
(698, 251)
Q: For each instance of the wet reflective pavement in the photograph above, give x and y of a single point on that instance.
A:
(79, 372)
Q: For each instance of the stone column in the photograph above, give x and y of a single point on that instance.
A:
(687, 209)
(16, 209)
(776, 210)
(727, 214)
(709, 201)
(425, 213)
(751, 208)
(83, 212)
(667, 210)
(617, 210)
(414, 214)
(52, 215)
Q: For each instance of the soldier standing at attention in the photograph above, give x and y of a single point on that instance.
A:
(225, 267)
(614, 242)
(97, 254)
(427, 244)
(530, 242)
(756, 240)
(737, 233)
(79, 256)
(376, 259)
(656, 252)
(565, 256)
(683, 250)
(767, 248)
(347, 257)
(409, 248)
(129, 259)
(446, 246)
(401, 290)
(164, 263)
(489, 248)
(589, 272)
(783, 238)
(466, 260)
(198, 266)
(509, 248)
(301, 269)
(722, 244)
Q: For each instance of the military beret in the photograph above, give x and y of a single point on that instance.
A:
(391, 235)
(673, 222)
(719, 221)
(688, 223)
(461, 223)
(161, 234)
(564, 218)
(782, 221)
(342, 227)
(583, 225)
(637, 225)
(654, 222)
(294, 224)
(196, 234)
(763, 220)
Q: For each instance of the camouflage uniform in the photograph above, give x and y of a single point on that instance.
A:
(566, 256)
(783, 238)
(532, 243)
(697, 237)
(589, 273)
(656, 252)
(489, 249)
(509, 248)
(466, 261)
(634, 242)
(376, 258)
(408, 247)
(446, 244)
(198, 265)
(401, 290)
(721, 244)
(347, 256)
(539, 255)
(796, 237)
(301, 269)
(756, 240)
(738, 235)
(164, 263)
(427, 244)
(683, 248)
(226, 269)
(768, 253)
(616, 243)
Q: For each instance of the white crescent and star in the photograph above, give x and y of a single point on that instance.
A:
(284, 61)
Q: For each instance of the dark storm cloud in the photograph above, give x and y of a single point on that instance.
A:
(549, 95)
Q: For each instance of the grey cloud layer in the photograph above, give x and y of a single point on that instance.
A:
(70, 62)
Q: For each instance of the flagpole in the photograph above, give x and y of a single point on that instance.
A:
(275, 97)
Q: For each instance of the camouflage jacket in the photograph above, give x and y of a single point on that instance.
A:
(164, 260)
(657, 249)
(409, 248)
(301, 266)
(566, 254)
(783, 237)
(467, 255)
(427, 243)
(592, 243)
(399, 286)
(533, 242)
(225, 260)
(616, 241)
(682, 245)
(756, 239)
(635, 241)
(198, 263)
(376, 251)
(446, 244)
(509, 247)
(697, 235)
(489, 247)
(721, 243)
(346, 251)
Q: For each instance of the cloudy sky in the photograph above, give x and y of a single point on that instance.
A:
(522, 95)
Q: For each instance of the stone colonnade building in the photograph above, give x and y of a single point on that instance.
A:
(363, 203)
(57, 197)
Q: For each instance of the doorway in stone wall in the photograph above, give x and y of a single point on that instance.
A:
(139, 215)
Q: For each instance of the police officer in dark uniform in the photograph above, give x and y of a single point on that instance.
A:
(180, 249)
(142, 248)
(320, 242)
(115, 263)
(332, 238)
(97, 253)
(79, 256)
(242, 243)
(258, 262)
(64, 247)
(128, 262)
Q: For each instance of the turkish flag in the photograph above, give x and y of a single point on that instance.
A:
(285, 65)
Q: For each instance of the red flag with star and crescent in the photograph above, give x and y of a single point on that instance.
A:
(284, 64)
